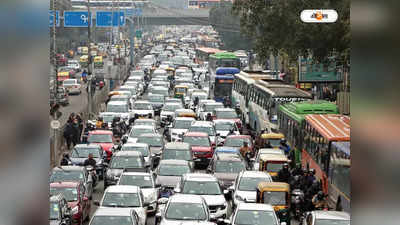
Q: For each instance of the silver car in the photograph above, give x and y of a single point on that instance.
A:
(245, 187)
(255, 214)
(206, 186)
(184, 210)
(147, 183)
(179, 127)
(142, 148)
(125, 196)
(121, 216)
(138, 130)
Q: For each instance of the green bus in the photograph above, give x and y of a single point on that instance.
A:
(291, 120)
(222, 59)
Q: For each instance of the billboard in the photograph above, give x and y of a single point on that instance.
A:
(315, 72)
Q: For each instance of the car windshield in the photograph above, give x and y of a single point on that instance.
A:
(158, 91)
(229, 166)
(144, 123)
(251, 183)
(226, 115)
(177, 154)
(185, 211)
(255, 217)
(79, 152)
(142, 106)
(70, 194)
(201, 97)
(197, 141)
(211, 107)
(139, 131)
(111, 220)
(108, 118)
(274, 167)
(100, 138)
(223, 126)
(274, 197)
(182, 124)
(173, 170)
(275, 142)
(153, 141)
(60, 176)
(126, 162)
(204, 129)
(143, 150)
(236, 142)
(201, 188)
(69, 82)
(156, 98)
(331, 222)
(136, 180)
(121, 200)
(172, 107)
(54, 211)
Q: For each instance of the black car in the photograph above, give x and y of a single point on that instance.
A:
(60, 213)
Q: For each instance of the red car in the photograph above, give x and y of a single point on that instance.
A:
(228, 114)
(104, 138)
(74, 193)
(237, 141)
(202, 148)
(61, 60)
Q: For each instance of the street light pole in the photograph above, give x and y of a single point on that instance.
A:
(89, 72)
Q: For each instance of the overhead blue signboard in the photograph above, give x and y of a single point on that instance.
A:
(76, 19)
(108, 19)
(51, 16)
(134, 12)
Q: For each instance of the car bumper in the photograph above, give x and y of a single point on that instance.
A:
(74, 90)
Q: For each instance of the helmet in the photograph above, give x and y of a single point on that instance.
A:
(312, 171)
(283, 141)
(100, 118)
(320, 195)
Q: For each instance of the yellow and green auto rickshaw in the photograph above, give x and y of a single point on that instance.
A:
(276, 194)
(272, 163)
(98, 62)
(180, 91)
(84, 60)
(273, 138)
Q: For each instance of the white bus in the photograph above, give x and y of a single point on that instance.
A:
(264, 98)
(240, 88)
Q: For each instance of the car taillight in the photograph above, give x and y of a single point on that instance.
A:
(76, 86)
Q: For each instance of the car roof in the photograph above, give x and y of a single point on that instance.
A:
(199, 177)
(239, 136)
(228, 157)
(177, 145)
(69, 168)
(255, 207)
(128, 153)
(142, 127)
(150, 135)
(185, 198)
(122, 189)
(151, 94)
(119, 96)
(225, 109)
(273, 157)
(101, 132)
(143, 101)
(136, 174)
(203, 123)
(226, 149)
(135, 145)
(113, 211)
(117, 103)
(332, 215)
(185, 118)
(255, 174)
(87, 146)
(223, 121)
(65, 184)
(213, 103)
(174, 162)
(196, 134)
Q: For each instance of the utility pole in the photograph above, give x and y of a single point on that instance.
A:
(132, 37)
(54, 153)
(89, 71)
(119, 45)
(112, 22)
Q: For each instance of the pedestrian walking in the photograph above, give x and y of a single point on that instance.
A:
(68, 134)
(75, 132)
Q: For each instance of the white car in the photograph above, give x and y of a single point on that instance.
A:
(125, 196)
(223, 128)
(208, 108)
(244, 189)
(147, 183)
(74, 64)
(73, 86)
(184, 210)
(121, 108)
(207, 186)
(255, 214)
(138, 130)
(142, 109)
(142, 148)
(137, 84)
(206, 127)
(327, 217)
(169, 110)
(109, 215)
(180, 126)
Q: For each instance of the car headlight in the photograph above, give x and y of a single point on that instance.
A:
(75, 210)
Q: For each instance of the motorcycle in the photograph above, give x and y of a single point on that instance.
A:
(297, 201)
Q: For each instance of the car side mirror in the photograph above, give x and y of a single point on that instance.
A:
(96, 203)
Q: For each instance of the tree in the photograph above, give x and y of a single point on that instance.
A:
(228, 26)
(276, 26)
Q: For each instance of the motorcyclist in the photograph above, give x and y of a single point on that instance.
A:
(284, 146)
(297, 170)
(284, 174)
(91, 162)
(319, 201)
(196, 101)
(245, 150)
(209, 117)
(99, 122)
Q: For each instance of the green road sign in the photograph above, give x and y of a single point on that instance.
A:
(139, 34)
(319, 72)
